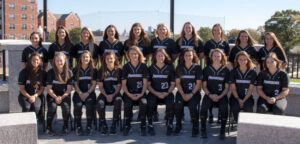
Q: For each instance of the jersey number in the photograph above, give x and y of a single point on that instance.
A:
(276, 92)
(139, 84)
(220, 87)
(246, 91)
(165, 85)
(191, 86)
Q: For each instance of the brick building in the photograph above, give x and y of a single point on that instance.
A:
(18, 18)
(70, 20)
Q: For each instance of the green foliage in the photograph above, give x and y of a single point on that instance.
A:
(205, 33)
(52, 36)
(75, 35)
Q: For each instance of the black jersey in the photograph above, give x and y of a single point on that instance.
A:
(189, 77)
(249, 49)
(210, 45)
(111, 82)
(190, 44)
(242, 81)
(273, 84)
(263, 52)
(29, 50)
(24, 80)
(134, 76)
(54, 48)
(59, 88)
(85, 78)
(161, 78)
(78, 49)
(216, 79)
(140, 44)
(168, 44)
(116, 47)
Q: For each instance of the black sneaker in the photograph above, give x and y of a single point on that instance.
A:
(104, 129)
(113, 129)
(143, 130)
(177, 130)
(126, 130)
(203, 134)
(64, 131)
(169, 130)
(89, 131)
(79, 131)
(49, 131)
(211, 119)
(195, 131)
(151, 130)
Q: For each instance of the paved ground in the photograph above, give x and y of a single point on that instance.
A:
(135, 138)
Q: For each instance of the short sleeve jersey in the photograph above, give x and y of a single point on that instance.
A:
(85, 78)
(78, 49)
(117, 47)
(189, 77)
(273, 84)
(140, 44)
(242, 81)
(59, 88)
(168, 44)
(263, 52)
(27, 52)
(54, 48)
(189, 44)
(24, 80)
(216, 79)
(112, 80)
(161, 78)
(249, 49)
(210, 45)
(134, 76)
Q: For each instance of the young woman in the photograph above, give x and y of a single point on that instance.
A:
(109, 82)
(62, 44)
(134, 84)
(161, 85)
(111, 43)
(31, 82)
(162, 40)
(272, 44)
(242, 81)
(36, 46)
(216, 42)
(245, 43)
(190, 39)
(87, 43)
(85, 76)
(59, 85)
(188, 81)
(215, 86)
(138, 37)
(272, 87)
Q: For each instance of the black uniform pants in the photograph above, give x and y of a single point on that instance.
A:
(27, 106)
(129, 103)
(152, 104)
(207, 102)
(235, 106)
(102, 102)
(65, 106)
(278, 108)
(89, 103)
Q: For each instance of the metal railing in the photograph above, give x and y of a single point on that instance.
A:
(293, 65)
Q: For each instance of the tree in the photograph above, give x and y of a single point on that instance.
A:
(75, 35)
(255, 35)
(205, 33)
(285, 25)
(52, 36)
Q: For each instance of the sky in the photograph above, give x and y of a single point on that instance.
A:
(239, 14)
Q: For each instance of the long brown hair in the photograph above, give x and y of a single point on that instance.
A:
(276, 41)
(116, 32)
(250, 42)
(104, 67)
(91, 65)
(40, 36)
(273, 56)
(141, 56)
(34, 72)
(181, 62)
(243, 53)
(217, 25)
(167, 57)
(194, 33)
(67, 38)
(132, 41)
(65, 68)
(91, 38)
(224, 57)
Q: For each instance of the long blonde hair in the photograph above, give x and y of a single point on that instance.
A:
(141, 56)
(65, 68)
(91, 38)
(243, 53)
(168, 35)
(224, 57)
(194, 33)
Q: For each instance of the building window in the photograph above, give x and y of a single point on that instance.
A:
(32, 8)
(24, 17)
(32, 27)
(24, 7)
(11, 16)
(72, 23)
(52, 23)
(24, 26)
(11, 36)
(24, 36)
(32, 18)
(11, 6)
(11, 26)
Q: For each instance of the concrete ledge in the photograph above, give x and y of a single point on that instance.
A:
(268, 129)
(18, 128)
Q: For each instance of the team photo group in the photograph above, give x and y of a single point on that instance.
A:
(147, 73)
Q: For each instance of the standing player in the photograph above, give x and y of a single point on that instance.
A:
(188, 81)
(272, 87)
(62, 44)
(109, 82)
(242, 82)
(85, 76)
(189, 39)
(134, 84)
(161, 85)
(59, 85)
(36, 46)
(215, 86)
(138, 37)
(272, 44)
(111, 43)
